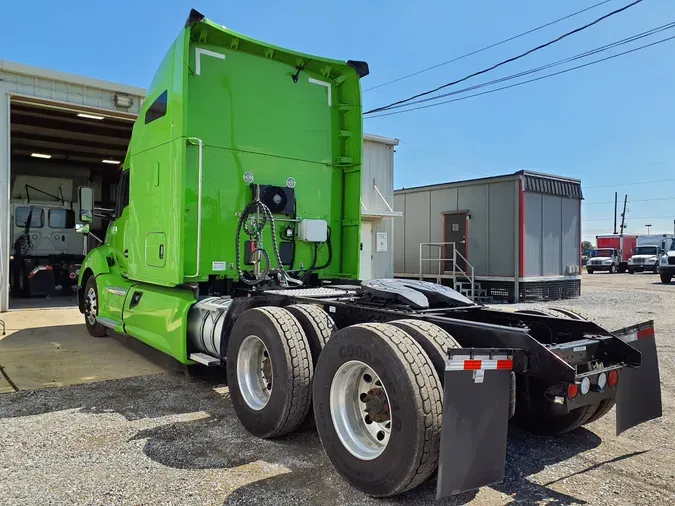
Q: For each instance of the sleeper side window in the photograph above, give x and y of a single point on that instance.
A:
(157, 109)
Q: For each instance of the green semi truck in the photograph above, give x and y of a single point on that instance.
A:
(235, 244)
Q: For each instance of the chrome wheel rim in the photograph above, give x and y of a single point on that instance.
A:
(359, 408)
(92, 306)
(254, 373)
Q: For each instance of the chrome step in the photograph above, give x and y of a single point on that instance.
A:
(204, 359)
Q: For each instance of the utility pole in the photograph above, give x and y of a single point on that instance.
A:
(623, 225)
(648, 227)
(615, 203)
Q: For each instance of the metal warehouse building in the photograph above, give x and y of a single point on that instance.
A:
(518, 235)
(67, 130)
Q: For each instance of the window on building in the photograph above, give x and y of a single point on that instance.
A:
(455, 227)
(37, 217)
(157, 109)
(61, 218)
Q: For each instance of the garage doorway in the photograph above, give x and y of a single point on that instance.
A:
(54, 149)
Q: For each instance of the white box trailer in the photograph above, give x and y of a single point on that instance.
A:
(647, 250)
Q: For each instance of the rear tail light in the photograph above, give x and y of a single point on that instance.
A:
(585, 385)
(602, 380)
(613, 378)
(73, 275)
(572, 391)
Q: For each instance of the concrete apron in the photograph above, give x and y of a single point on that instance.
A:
(52, 348)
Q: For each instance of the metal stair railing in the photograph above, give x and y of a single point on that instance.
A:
(443, 247)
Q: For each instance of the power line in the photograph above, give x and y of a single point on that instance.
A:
(579, 56)
(509, 60)
(436, 159)
(632, 218)
(527, 81)
(427, 69)
(631, 201)
(632, 183)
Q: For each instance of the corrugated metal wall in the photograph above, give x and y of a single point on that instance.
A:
(552, 239)
(378, 170)
(492, 228)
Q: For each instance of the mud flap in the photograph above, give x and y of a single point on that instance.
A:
(638, 397)
(475, 421)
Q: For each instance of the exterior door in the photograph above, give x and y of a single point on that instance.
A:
(455, 231)
(366, 268)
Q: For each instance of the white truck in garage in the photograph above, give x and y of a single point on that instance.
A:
(46, 251)
(647, 250)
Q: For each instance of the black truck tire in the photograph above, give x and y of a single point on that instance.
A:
(433, 339)
(602, 409)
(316, 324)
(665, 278)
(91, 302)
(533, 414)
(572, 314)
(272, 337)
(557, 312)
(589, 270)
(413, 394)
(318, 327)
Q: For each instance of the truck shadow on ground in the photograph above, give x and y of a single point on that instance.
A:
(218, 441)
(221, 442)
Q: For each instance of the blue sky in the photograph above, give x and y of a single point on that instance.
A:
(610, 124)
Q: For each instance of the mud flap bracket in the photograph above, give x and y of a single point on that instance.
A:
(475, 419)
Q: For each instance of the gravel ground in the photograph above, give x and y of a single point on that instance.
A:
(168, 440)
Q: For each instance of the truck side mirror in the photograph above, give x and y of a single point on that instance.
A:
(86, 201)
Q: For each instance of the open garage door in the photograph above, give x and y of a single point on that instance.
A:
(54, 149)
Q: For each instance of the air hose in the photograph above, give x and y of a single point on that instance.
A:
(257, 207)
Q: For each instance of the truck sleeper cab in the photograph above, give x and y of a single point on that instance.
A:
(235, 242)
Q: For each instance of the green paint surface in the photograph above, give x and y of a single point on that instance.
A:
(238, 96)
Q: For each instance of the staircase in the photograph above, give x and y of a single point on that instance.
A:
(463, 280)
(480, 295)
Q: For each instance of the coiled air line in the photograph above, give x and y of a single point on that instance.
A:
(254, 231)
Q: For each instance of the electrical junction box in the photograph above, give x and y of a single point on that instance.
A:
(313, 230)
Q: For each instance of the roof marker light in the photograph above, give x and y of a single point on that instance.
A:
(116, 162)
(40, 155)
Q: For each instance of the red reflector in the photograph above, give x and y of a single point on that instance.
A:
(613, 378)
(72, 275)
(572, 391)
(505, 365)
(472, 365)
(645, 333)
(31, 275)
(48, 267)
